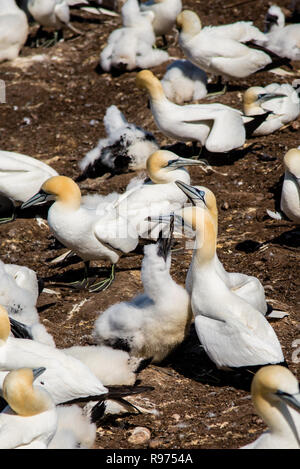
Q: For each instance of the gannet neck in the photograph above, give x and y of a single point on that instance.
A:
(188, 22)
(275, 413)
(148, 81)
(4, 325)
(65, 189)
(19, 393)
(291, 162)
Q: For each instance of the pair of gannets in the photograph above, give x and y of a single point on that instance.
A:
(155, 322)
(220, 50)
(131, 46)
(97, 233)
(184, 82)
(276, 399)
(282, 39)
(165, 11)
(282, 101)
(233, 332)
(13, 30)
(220, 128)
(290, 192)
(126, 146)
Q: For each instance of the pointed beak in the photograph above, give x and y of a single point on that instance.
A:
(291, 399)
(268, 96)
(191, 192)
(39, 198)
(37, 372)
(179, 162)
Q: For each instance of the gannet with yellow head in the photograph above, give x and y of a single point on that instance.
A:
(233, 333)
(276, 399)
(29, 421)
(217, 127)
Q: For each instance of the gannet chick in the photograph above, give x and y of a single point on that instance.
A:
(65, 377)
(91, 234)
(220, 128)
(276, 398)
(165, 12)
(126, 146)
(75, 430)
(29, 421)
(283, 40)
(131, 46)
(290, 192)
(245, 286)
(155, 322)
(13, 30)
(282, 100)
(184, 82)
(19, 291)
(232, 332)
(53, 14)
(220, 50)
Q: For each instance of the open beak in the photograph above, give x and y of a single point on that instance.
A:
(40, 198)
(37, 372)
(179, 162)
(191, 192)
(268, 96)
(291, 399)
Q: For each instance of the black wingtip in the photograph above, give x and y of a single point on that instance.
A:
(98, 411)
(116, 392)
(20, 330)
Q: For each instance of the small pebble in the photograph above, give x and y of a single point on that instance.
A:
(139, 436)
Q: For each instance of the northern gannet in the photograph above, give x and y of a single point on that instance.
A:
(282, 100)
(13, 30)
(184, 82)
(283, 40)
(19, 289)
(218, 127)
(220, 50)
(90, 233)
(29, 421)
(165, 12)
(232, 332)
(276, 399)
(126, 146)
(290, 192)
(155, 322)
(245, 286)
(131, 46)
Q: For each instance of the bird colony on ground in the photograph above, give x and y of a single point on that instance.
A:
(55, 397)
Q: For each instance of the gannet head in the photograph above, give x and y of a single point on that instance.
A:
(188, 22)
(145, 79)
(161, 166)
(60, 188)
(291, 162)
(272, 384)
(20, 394)
(254, 97)
(4, 325)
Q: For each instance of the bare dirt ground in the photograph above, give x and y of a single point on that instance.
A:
(47, 115)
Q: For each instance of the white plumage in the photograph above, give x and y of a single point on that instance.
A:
(51, 13)
(153, 323)
(276, 398)
(13, 30)
(130, 46)
(184, 82)
(165, 12)
(218, 127)
(126, 146)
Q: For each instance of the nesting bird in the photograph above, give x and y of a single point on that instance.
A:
(276, 399)
(126, 146)
(155, 322)
(165, 12)
(184, 82)
(220, 50)
(13, 30)
(131, 46)
(290, 192)
(282, 101)
(29, 421)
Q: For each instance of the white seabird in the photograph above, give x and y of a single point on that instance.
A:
(14, 30)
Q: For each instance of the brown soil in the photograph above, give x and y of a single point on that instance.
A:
(198, 406)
